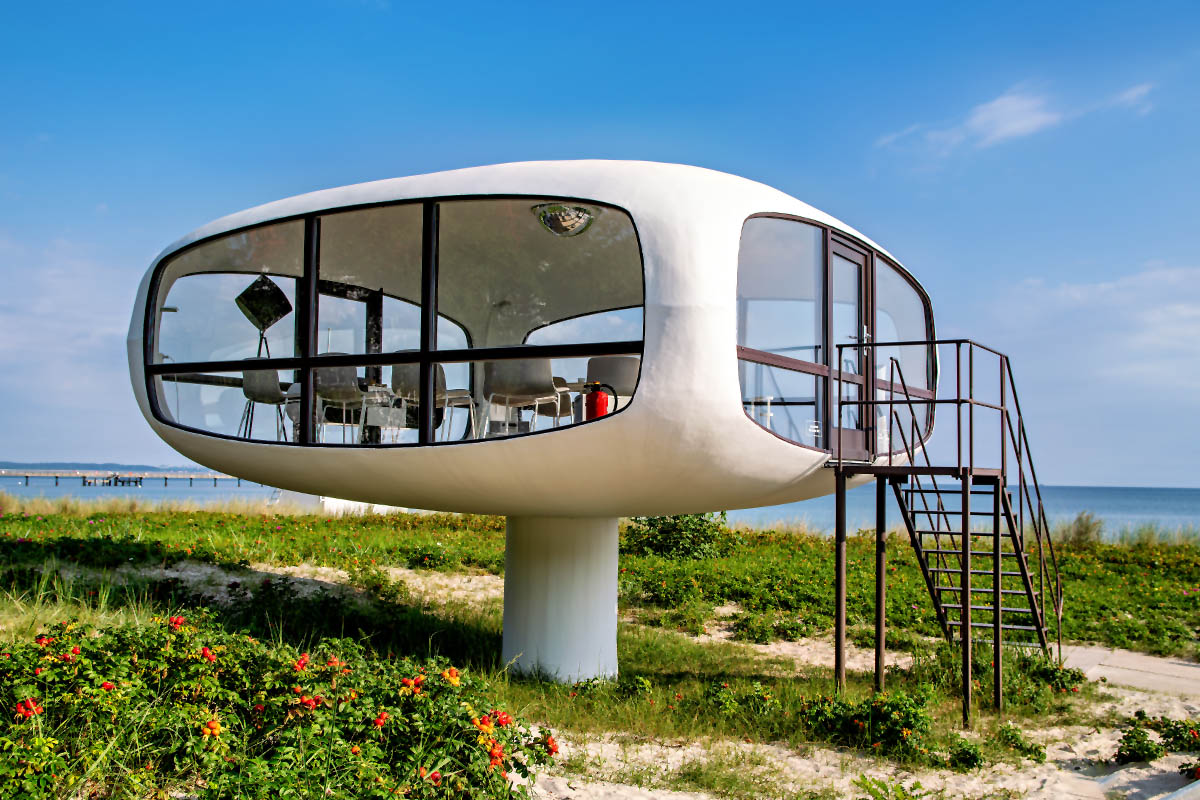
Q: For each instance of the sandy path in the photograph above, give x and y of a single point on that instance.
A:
(1137, 670)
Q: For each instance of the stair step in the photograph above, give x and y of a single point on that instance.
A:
(979, 590)
(977, 534)
(945, 491)
(946, 512)
(975, 572)
(1005, 627)
(1003, 609)
(1009, 642)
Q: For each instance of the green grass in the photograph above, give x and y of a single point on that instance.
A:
(672, 686)
(1143, 595)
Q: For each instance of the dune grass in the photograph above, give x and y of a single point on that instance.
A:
(1143, 595)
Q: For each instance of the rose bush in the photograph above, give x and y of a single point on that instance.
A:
(182, 702)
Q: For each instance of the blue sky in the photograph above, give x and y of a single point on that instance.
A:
(1035, 165)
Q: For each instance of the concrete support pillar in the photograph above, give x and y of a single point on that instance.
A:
(560, 597)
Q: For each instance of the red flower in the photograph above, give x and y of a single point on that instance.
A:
(108, 686)
(259, 707)
(37, 671)
(29, 708)
(208, 654)
(436, 778)
(551, 745)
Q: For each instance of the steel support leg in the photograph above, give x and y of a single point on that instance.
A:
(880, 579)
(839, 614)
(964, 561)
(997, 603)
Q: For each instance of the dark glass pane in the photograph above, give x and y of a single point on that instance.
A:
(780, 288)
(255, 404)
(783, 401)
(508, 269)
(230, 298)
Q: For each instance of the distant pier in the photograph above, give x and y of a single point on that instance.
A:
(106, 478)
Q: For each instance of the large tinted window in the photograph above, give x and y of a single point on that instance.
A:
(900, 317)
(507, 269)
(780, 296)
(340, 295)
(230, 298)
(780, 312)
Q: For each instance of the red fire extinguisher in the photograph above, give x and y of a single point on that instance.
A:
(595, 400)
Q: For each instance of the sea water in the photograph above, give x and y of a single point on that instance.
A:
(1119, 508)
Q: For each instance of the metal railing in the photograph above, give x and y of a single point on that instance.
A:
(1011, 462)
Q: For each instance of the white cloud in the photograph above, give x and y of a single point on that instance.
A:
(1136, 330)
(1009, 116)
(1135, 97)
(1017, 113)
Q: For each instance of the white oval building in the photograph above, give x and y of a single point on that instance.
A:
(560, 342)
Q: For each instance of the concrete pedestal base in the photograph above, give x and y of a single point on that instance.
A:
(560, 597)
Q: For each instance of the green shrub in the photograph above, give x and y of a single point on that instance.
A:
(762, 627)
(1178, 735)
(680, 537)
(688, 617)
(179, 700)
(893, 723)
(1136, 745)
(879, 789)
(964, 755)
(1014, 739)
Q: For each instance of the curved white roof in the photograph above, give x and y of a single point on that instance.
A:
(632, 185)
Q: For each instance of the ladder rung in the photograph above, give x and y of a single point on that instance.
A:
(1003, 609)
(975, 572)
(987, 553)
(948, 492)
(1008, 642)
(1006, 627)
(941, 512)
(976, 534)
(978, 590)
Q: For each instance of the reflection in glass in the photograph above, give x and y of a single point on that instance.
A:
(504, 272)
(783, 401)
(515, 396)
(900, 317)
(847, 311)
(779, 293)
(230, 298)
(255, 404)
(369, 280)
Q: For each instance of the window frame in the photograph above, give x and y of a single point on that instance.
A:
(427, 354)
(834, 238)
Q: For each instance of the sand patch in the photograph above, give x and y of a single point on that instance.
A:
(813, 652)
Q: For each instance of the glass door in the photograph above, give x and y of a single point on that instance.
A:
(849, 275)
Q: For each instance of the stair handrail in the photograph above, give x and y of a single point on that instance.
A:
(1041, 524)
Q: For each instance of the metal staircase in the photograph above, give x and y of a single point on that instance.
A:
(973, 514)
